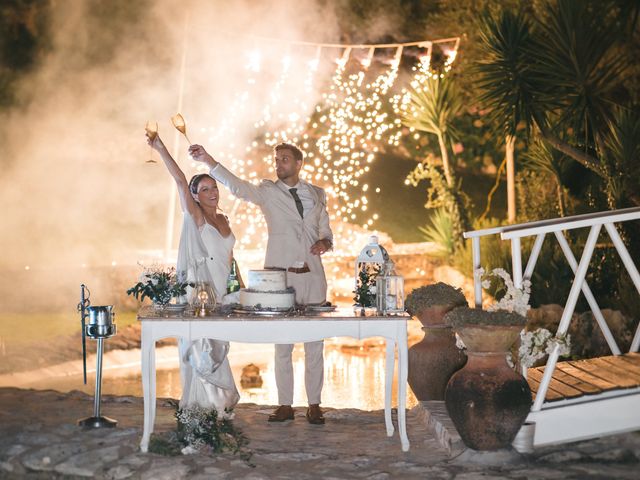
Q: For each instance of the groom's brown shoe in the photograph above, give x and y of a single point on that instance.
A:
(314, 415)
(282, 413)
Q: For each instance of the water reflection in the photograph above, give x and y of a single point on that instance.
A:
(353, 376)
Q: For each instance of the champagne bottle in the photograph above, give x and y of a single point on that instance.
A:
(233, 283)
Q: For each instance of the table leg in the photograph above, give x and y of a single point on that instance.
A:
(148, 387)
(388, 384)
(403, 367)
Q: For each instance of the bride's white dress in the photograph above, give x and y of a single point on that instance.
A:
(205, 255)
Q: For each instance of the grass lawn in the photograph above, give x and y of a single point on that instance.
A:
(23, 328)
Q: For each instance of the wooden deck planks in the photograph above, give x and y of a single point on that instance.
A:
(588, 377)
(613, 373)
(557, 389)
(625, 363)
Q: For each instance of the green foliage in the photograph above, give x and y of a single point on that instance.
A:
(24, 38)
(440, 195)
(440, 231)
(160, 286)
(503, 70)
(201, 429)
(166, 444)
(621, 157)
(436, 103)
(495, 252)
(365, 294)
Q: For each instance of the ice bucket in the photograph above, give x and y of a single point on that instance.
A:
(100, 323)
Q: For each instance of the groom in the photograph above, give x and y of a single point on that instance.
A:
(299, 233)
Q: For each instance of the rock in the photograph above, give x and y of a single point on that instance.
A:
(48, 457)
(496, 458)
(119, 472)
(617, 455)
(166, 469)
(353, 444)
(250, 377)
(564, 456)
(86, 464)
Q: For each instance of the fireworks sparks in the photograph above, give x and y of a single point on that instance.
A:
(355, 117)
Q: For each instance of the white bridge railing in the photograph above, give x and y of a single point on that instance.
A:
(557, 226)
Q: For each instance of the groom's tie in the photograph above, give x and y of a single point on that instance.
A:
(296, 198)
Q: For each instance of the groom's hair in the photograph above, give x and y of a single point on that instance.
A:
(297, 153)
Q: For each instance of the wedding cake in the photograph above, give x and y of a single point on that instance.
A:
(267, 289)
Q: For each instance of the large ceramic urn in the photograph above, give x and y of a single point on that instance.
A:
(487, 400)
(436, 357)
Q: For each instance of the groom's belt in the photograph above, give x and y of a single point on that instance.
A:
(304, 269)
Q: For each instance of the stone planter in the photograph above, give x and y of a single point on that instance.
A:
(435, 358)
(487, 400)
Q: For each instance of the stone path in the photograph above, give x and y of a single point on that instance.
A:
(39, 439)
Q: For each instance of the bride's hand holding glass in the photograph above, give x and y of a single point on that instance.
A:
(151, 131)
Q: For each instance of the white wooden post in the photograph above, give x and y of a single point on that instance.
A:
(567, 314)
(602, 323)
(477, 281)
(631, 268)
(516, 262)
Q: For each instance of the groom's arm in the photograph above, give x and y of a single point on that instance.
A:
(326, 235)
(240, 188)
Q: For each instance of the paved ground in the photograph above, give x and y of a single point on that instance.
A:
(39, 439)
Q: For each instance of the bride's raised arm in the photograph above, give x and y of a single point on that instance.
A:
(186, 199)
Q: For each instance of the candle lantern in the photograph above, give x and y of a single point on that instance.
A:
(389, 291)
(203, 299)
(369, 264)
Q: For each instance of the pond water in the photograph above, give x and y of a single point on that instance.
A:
(353, 375)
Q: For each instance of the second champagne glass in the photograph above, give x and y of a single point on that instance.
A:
(181, 126)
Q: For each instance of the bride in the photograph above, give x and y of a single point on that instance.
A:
(205, 254)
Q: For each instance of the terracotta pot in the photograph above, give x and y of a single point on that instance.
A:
(489, 338)
(487, 400)
(435, 358)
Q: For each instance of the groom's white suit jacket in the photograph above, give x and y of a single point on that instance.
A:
(290, 236)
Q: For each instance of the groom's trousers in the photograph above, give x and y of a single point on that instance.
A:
(307, 292)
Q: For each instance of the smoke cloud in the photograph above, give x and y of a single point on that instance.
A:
(76, 188)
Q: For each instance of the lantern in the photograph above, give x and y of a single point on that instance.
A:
(203, 299)
(389, 291)
(369, 264)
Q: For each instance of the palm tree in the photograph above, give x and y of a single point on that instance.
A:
(432, 108)
(557, 74)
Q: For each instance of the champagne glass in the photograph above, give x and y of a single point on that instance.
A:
(181, 126)
(152, 132)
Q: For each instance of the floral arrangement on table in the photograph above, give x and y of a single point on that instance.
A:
(160, 285)
(202, 430)
(429, 296)
(365, 292)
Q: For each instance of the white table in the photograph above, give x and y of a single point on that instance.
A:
(287, 329)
